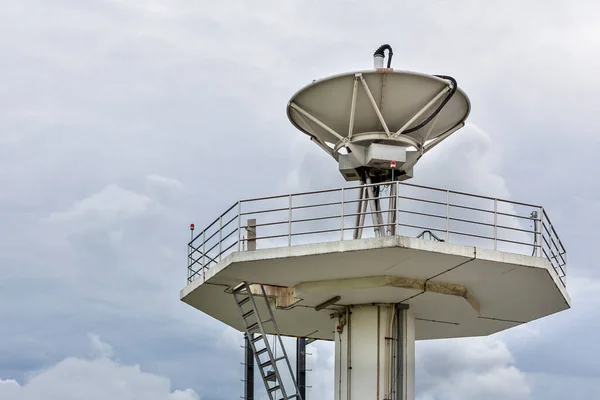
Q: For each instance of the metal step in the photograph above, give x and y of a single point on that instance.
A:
(244, 301)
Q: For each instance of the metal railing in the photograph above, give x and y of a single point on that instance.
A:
(420, 211)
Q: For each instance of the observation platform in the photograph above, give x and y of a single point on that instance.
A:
(465, 265)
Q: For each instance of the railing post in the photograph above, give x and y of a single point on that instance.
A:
(397, 211)
(538, 250)
(495, 224)
(447, 216)
(203, 255)
(342, 228)
(239, 228)
(290, 222)
(189, 262)
(220, 235)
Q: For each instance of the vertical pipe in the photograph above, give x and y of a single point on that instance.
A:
(390, 215)
(349, 354)
(378, 349)
(290, 222)
(447, 216)
(239, 228)
(342, 228)
(248, 370)
(396, 224)
(399, 365)
(301, 366)
(495, 224)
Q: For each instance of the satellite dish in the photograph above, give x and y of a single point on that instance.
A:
(367, 119)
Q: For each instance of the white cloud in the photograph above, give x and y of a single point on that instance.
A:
(98, 378)
(155, 181)
(468, 369)
(111, 203)
(464, 369)
(99, 348)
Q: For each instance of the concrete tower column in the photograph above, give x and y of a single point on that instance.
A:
(375, 353)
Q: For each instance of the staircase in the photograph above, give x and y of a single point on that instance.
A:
(256, 328)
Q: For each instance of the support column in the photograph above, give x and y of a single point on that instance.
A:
(301, 366)
(403, 374)
(248, 370)
(375, 353)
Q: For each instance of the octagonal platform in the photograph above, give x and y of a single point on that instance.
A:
(453, 290)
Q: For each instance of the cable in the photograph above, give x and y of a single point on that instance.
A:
(437, 111)
(380, 52)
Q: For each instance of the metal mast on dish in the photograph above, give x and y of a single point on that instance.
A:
(374, 296)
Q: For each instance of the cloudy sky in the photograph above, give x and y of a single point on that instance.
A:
(122, 121)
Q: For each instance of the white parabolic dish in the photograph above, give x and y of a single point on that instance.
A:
(324, 109)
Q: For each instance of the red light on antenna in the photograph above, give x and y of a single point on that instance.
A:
(192, 226)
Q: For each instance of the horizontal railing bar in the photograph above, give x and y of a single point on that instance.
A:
(423, 200)
(468, 221)
(315, 232)
(316, 219)
(281, 222)
(553, 255)
(298, 194)
(422, 213)
(557, 248)
(295, 194)
(549, 234)
(311, 232)
(224, 251)
(546, 241)
(213, 235)
(228, 236)
(561, 273)
(265, 237)
(265, 211)
(334, 203)
(516, 229)
(470, 195)
(347, 215)
(519, 216)
(472, 235)
(552, 226)
(560, 277)
(470, 208)
(519, 243)
(230, 221)
(214, 222)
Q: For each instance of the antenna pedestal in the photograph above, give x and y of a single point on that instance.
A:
(375, 353)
